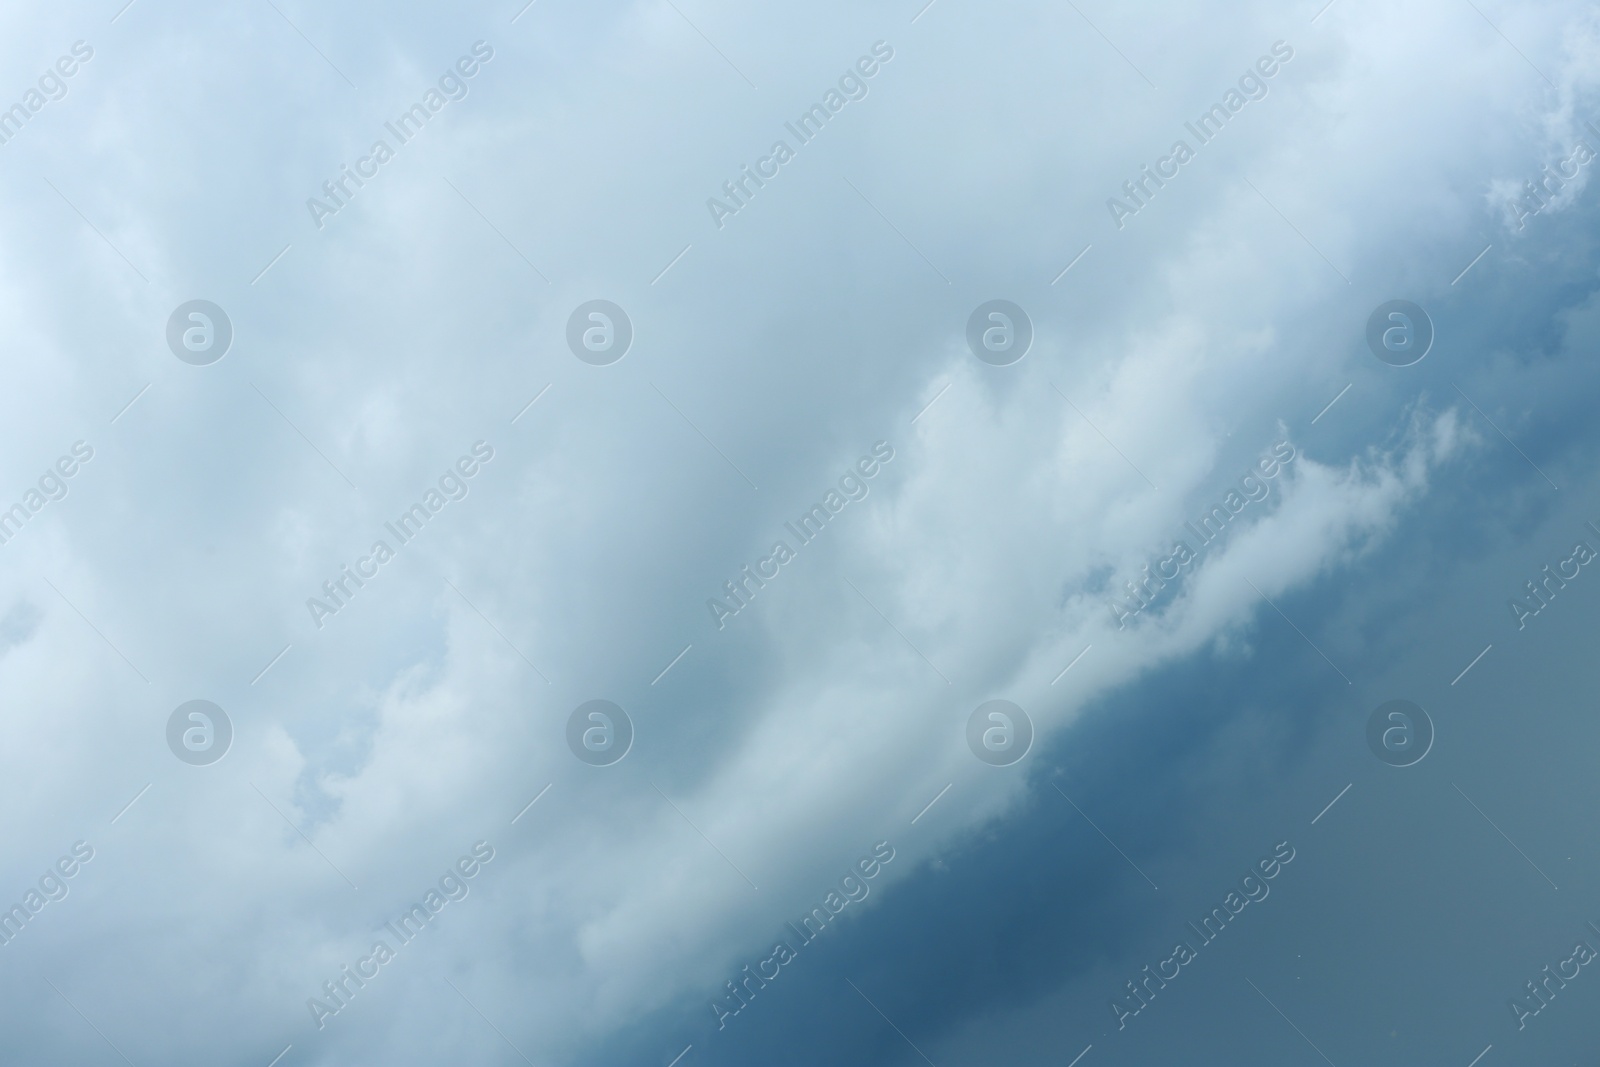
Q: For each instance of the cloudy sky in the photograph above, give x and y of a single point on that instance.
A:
(191, 486)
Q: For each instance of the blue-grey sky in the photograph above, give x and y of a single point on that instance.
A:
(412, 336)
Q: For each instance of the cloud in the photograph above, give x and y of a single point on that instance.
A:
(430, 711)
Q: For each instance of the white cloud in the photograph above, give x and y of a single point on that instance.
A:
(409, 727)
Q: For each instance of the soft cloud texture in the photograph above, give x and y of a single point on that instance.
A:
(822, 318)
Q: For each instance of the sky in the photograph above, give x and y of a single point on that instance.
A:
(597, 537)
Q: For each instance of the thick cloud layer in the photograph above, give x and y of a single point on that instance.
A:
(557, 530)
